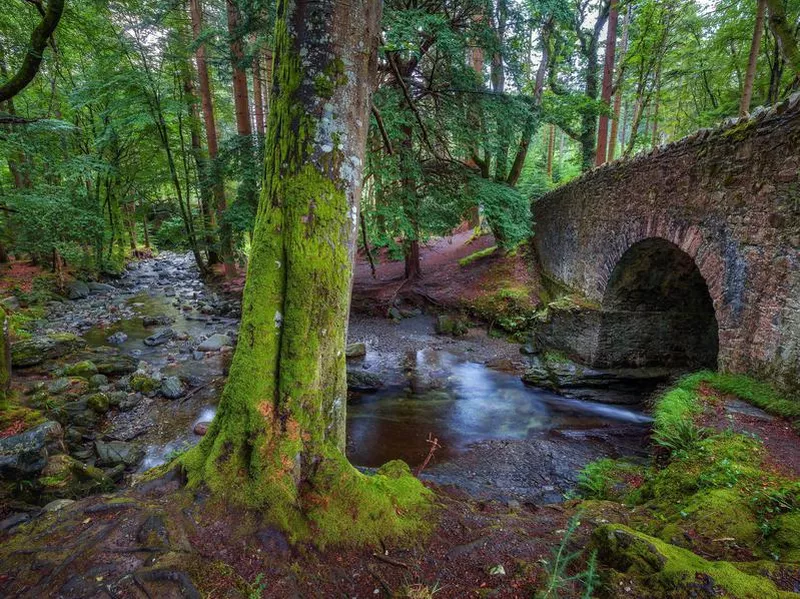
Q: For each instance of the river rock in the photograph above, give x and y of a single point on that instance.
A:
(31, 352)
(115, 364)
(117, 338)
(98, 402)
(77, 290)
(58, 505)
(26, 453)
(449, 325)
(201, 428)
(361, 380)
(355, 350)
(215, 342)
(84, 369)
(98, 380)
(79, 413)
(118, 452)
(100, 287)
(171, 387)
(66, 477)
(159, 338)
(154, 321)
(130, 401)
(59, 385)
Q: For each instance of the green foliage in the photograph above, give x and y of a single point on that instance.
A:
(510, 309)
(560, 583)
(598, 479)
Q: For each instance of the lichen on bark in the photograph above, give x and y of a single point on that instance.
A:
(278, 439)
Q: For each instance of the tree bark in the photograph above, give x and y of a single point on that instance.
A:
(752, 61)
(608, 82)
(241, 102)
(783, 33)
(612, 138)
(209, 121)
(551, 144)
(33, 57)
(277, 441)
(258, 99)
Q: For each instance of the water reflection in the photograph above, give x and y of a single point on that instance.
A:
(460, 403)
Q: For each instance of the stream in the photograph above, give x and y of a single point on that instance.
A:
(498, 438)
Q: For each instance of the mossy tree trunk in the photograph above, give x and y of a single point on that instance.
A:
(277, 441)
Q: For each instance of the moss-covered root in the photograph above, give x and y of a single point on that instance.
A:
(337, 506)
(663, 570)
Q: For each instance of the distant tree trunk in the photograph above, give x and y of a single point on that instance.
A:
(268, 87)
(783, 33)
(207, 103)
(608, 83)
(551, 143)
(241, 102)
(588, 132)
(258, 99)
(144, 228)
(277, 442)
(498, 78)
(752, 62)
(612, 138)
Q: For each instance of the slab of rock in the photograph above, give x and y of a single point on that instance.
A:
(26, 453)
(31, 352)
(57, 505)
(171, 387)
(100, 287)
(84, 369)
(118, 452)
(214, 343)
(159, 338)
(77, 290)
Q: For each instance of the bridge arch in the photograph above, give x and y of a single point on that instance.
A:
(657, 308)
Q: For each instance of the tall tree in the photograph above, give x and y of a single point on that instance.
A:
(783, 33)
(612, 138)
(608, 83)
(752, 61)
(278, 439)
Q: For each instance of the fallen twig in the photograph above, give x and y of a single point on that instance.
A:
(434, 443)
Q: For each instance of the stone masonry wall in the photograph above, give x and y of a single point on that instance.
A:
(728, 197)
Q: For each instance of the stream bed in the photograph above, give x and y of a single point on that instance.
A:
(498, 438)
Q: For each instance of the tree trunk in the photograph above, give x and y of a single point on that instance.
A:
(784, 35)
(241, 101)
(612, 138)
(551, 143)
(608, 83)
(258, 99)
(752, 61)
(277, 441)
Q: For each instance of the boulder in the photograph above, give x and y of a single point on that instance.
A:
(77, 290)
(58, 505)
(79, 413)
(171, 387)
(98, 402)
(449, 325)
(100, 287)
(58, 386)
(64, 476)
(31, 352)
(355, 350)
(201, 428)
(98, 380)
(26, 453)
(84, 369)
(159, 338)
(130, 401)
(118, 452)
(214, 343)
(363, 381)
(114, 364)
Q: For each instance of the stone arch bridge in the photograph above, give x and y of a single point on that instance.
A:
(686, 256)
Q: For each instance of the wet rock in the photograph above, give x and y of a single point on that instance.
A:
(115, 364)
(198, 355)
(58, 505)
(171, 387)
(98, 380)
(115, 398)
(98, 402)
(77, 290)
(363, 381)
(84, 369)
(153, 532)
(14, 520)
(449, 325)
(130, 402)
(31, 352)
(395, 314)
(117, 338)
(153, 321)
(144, 383)
(355, 350)
(64, 476)
(201, 428)
(58, 386)
(159, 338)
(100, 287)
(215, 342)
(118, 452)
(79, 413)
(10, 303)
(25, 454)
(116, 473)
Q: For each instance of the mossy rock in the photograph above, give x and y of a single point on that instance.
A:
(66, 477)
(144, 384)
(84, 369)
(30, 352)
(98, 402)
(785, 541)
(665, 570)
(450, 325)
(717, 514)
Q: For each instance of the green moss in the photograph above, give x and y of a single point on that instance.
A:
(670, 571)
(784, 542)
(755, 392)
(12, 412)
(467, 260)
(606, 479)
(512, 309)
(98, 402)
(144, 384)
(84, 369)
(721, 514)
